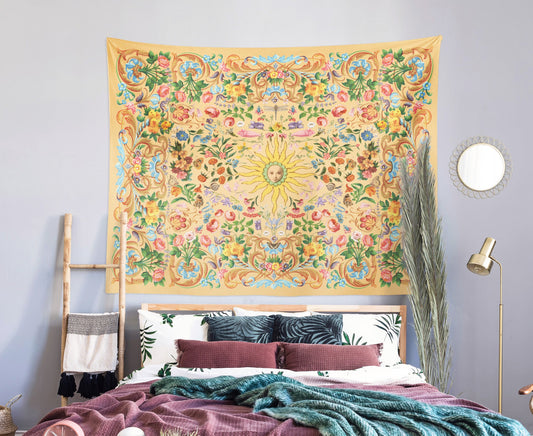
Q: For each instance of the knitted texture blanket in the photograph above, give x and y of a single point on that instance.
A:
(341, 412)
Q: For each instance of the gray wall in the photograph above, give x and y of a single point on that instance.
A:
(54, 159)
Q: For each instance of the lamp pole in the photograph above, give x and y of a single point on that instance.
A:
(500, 361)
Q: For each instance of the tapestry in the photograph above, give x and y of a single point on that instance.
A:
(265, 170)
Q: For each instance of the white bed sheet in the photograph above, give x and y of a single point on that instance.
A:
(370, 375)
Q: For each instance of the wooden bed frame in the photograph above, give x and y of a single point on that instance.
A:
(399, 309)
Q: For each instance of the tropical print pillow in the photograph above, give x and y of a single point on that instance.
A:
(366, 329)
(315, 329)
(158, 331)
(240, 328)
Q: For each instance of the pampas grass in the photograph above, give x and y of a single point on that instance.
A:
(424, 263)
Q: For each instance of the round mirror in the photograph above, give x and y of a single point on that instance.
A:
(480, 167)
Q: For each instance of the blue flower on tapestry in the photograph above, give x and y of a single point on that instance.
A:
(182, 135)
(359, 273)
(367, 135)
(332, 249)
(334, 88)
(394, 234)
(358, 67)
(214, 249)
(155, 99)
(395, 166)
(132, 70)
(417, 73)
(186, 272)
(188, 68)
(215, 89)
(395, 99)
(125, 93)
(131, 268)
(150, 234)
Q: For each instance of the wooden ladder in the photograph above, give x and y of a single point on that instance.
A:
(67, 267)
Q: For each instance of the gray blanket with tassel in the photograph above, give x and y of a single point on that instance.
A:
(340, 412)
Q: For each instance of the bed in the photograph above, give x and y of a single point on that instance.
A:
(276, 370)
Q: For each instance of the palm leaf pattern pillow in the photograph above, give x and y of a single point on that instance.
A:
(240, 328)
(315, 329)
(158, 331)
(363, 329)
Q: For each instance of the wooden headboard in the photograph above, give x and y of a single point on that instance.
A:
(399, 309)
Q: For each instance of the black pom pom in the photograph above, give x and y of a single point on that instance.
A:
(67, 385)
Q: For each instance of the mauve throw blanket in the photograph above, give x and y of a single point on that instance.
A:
(133, 405)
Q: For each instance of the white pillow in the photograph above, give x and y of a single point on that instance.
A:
(159, 331)
(374, 328)
(239, 311)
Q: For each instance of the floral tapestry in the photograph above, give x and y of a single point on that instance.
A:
(265, 171)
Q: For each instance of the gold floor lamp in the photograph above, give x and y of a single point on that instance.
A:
(481, 263)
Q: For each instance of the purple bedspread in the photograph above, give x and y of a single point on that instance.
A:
(133, 406)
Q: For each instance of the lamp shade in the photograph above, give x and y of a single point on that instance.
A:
(481, 263)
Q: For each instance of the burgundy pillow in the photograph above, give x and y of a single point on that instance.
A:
(225, 354)
(323, 357)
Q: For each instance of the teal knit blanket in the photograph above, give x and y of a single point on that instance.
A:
(341, 412)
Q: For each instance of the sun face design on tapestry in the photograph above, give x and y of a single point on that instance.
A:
(277, 174)
(265, 171)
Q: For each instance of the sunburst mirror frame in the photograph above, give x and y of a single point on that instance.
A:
(460, 182)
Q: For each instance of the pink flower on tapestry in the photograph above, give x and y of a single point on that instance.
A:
(368, 241)
(207, 97)
(338, 111)
(159, 244)
(213, 225)
(369, 95)
(386, 276)
(322, 121)
(163, 62)
(213, 112)
(205, 240)
(386, 89)
(158, 275)
(342, 240)
(180, 96)
(386, 244)
(178, 241)
(334, 225)
(316, 215)
(163, 91)
(342, 96)
(388, 59)
(230, 215)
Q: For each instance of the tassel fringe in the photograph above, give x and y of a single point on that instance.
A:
(91, 385)
(67, 385)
